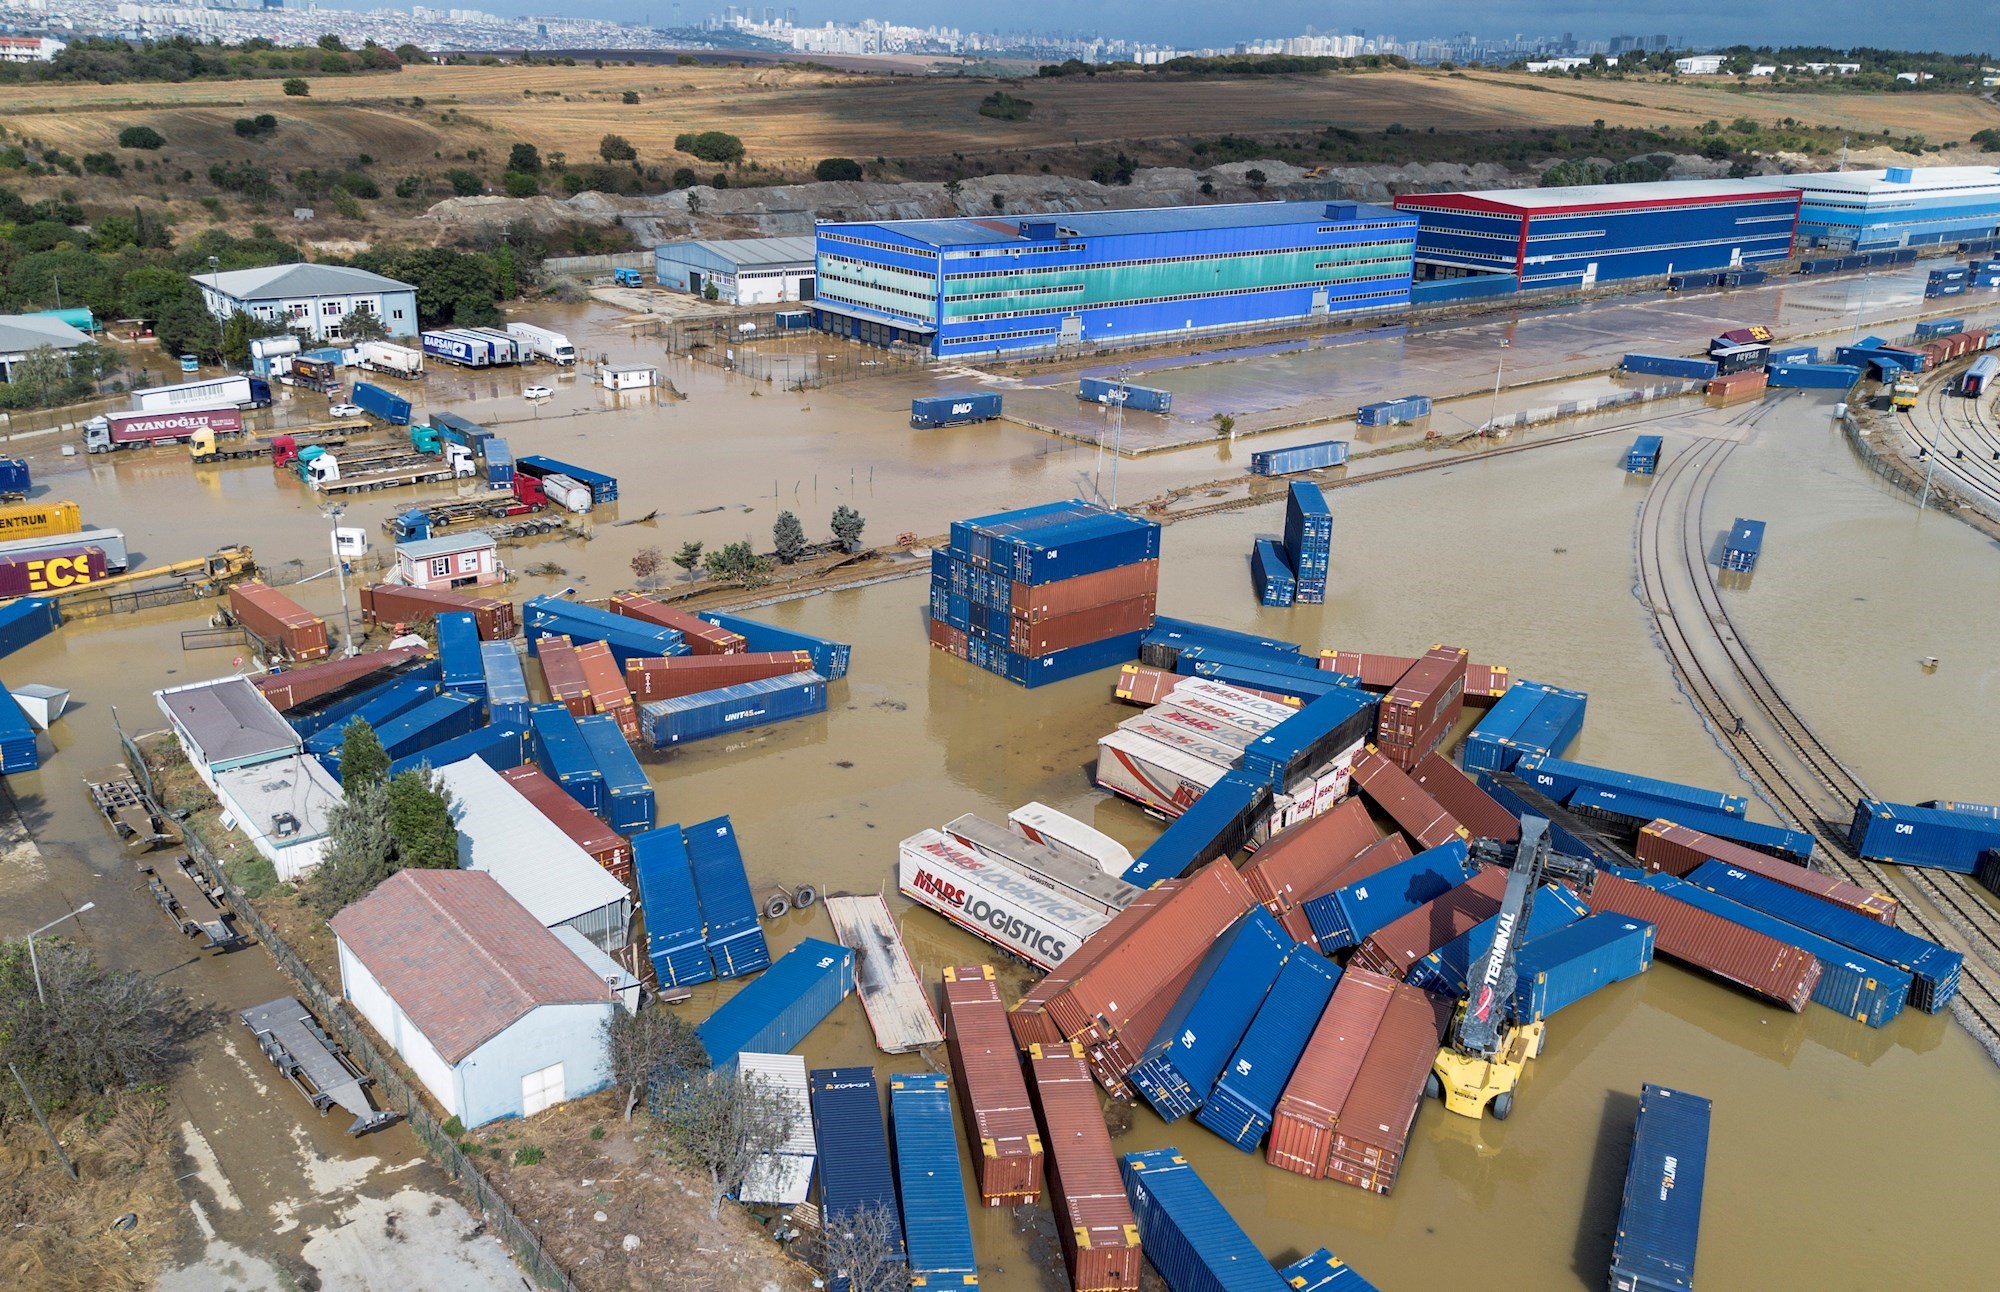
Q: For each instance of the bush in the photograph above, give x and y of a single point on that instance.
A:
(103, 164)
(525, 158)
(465, 183)
(617, 148)
(1005, 107)
(684, 177)
(296, 87)
(409, 186)
(519, 185)
(832, 169)
(527, 1155)
(629, 97)
(256, 127)
(711, 146)
(141, 137)
(361, 184)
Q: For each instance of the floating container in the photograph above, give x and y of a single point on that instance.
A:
(1744, 544)
(1559, 779)
(627, 638)
(1168, 637)
(1303, 861)
(999, 1119)
(1214, 828)
(1447, 971)
(1302, 1132)
(323, 730)
(1324, 1272)
(1391, 412)
(279, 622)
(1096, 390)
(1662, 365)
(506, 683)
(728, 911)
(830, 658)
(1460, 796)
(1917, 836)
(1392, 949)
(782, 1178)
(606, 846)
(1390, 788)
(1301, 457)
(1094, 1223)
(1934, 969)
(1189, 1236)
(628, 795)
(1812, 376)
(672, 910)
(992, 900)
(609, 696)
(1676, 850)
(1070, 876)
(1041, 824)
(700, 636)
(1643, 458)
(1530, 718)
(394, 603)
(563, 757)
(1659, 1217)
(777, 1009)
(1333, 723)
(501, 746)
(460, 666)
(1343, 917)
(1240, 1106)
(1270, 577)
(664, 723)
(667, 679)
(1202, 1028)
(436, 720)
(1558, 969)
(935, 1220)
(856, 1173)
(1755, 961)
(1159, 776)
(954, 410)
(26, 620)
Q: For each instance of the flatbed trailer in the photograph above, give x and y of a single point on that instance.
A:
(126, 809)
(194, 906)
(282, 447)
(431, 471)
(899, 1010)
(297, 1046)
(470, 511)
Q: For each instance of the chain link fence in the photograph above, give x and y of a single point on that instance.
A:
(392, 1092)
(1890, 469)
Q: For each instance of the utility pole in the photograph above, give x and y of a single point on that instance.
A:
(1493, 415)
(36, 1108)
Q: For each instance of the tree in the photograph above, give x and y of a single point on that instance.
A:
(684, 177)
(407, 53)
(237, 332)
(629, 97)
(953, 187)
(184, 326)
(654, 1044)
(646, 564)
(364, 325)
(359, 849)
(525, 158)
(832, 169)
(719, 1125)
(847, 524)
(688, 558)
(362, 758)
(296, 87)
(332, 43)
(617, 148)
(711, 146)
(520, 185)
(1255, 178)
(141, 137)
(100, 1029)
(788, 536)
(420, 821)
(735, 561)
(465, 183)
(862, 1246)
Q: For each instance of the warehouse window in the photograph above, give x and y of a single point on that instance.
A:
(853, 241)
(1056, 290)
(1403, 244)
(1202, 296)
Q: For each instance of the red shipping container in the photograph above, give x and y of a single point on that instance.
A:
(1392, 949)
(1030, 1018)
(1768, 967)
(1297, 864)
(394, 603)
(1434, 682)
(1479, 812)
(701, 636)
(1381, 672)
(1675, 849)
(1390, 788)
(608, 692)
(664, 678)
(1302, 1129)
(1100, 1238)
(1111, 1058)
(606, 846)
(1374, 859)
(1034, 603)
(950, 640)
(1381, 1107)
(999, 1121)
(1137, 684)
(282, 623)
(296, 686)
(563, 671)
(1061, 632)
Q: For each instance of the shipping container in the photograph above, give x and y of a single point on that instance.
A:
(1302, 1130)
(1308, 529)
(1029, 1018)
(1324, 1272)
(1215, 827)
(999, 1121)
(1343, 916)
(563, 757)
(1169, 636)
(784, 1177)
(672, 910)
(666, 679)
(1458, 794)
(1050, 636)
(1189, 1236)
(1661, 365)
(936, 1223)
(1530, 718)
(1390, 789)
(728, 911)
(1270, 577)
(1570, 833)
(1560, 968)
(285, 627)
(1067, 549)
(1643, 458)
(1300, 862)
(992, 900)
(500, 746)
(1634, 811)
(603, 488)
(1300, 457)
(377, 402)
(377, 707)
(1784, 355)
(1659, 1216)
(700, 636)
(856, 1173)
(606, 846)
(432, 723)
(460, 666)
(1447, 971)
(1240, 1106)
(1094, 1223)
(1759, 963)
(1039, 823)
(1931, 329)
(1812, 376)
(830, 658)
(1113, 1055)
(954, 410)
(314, 687)
(628, 796)
(1676, 850)
(19, 751)
(627, 638)
(1096, 390)
(26, 620)
(972, 539)
(53, 569)
(1209, 1017)
(506, 682)
(1321, 729)
(1035, 602)
(1380, 1104)
(1743, 545)
(1395, 947)
(1559, 779)
(1067, 875)
(1287, 684)
(395, 603)
(1423, 706)
(1152, 774)
(664, 723)
(1739, 358)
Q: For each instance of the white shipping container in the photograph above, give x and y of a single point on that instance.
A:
(566, 493)
(783, 1178)
(1201, 725)
(1040, 823)
(1151, 774)
(993, 900)
(1072, 877)
(628, 378)
(1234, 699)
(1199, 745)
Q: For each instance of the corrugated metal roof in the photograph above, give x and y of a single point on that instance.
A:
(1876, 183)
(506, 836)
(228, 719)
(20, 333)
(1611, 196)
(1088, 224)
(424, 549)
(747, 252)
(276, 282)
(460, 957)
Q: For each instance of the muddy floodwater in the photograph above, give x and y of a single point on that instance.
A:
(1841, 1157)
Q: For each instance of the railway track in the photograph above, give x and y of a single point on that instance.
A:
(1957, 425)
(1799, 775)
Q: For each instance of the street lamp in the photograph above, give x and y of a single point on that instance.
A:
(1500, 366)
(35, 963)
(333, 515)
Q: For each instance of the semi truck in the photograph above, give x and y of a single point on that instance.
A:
(114, 431)
(603, 488)
(469, 347)
(216, 392)
(386, 356)
(283, 449)
(377, 402)
(543, 343)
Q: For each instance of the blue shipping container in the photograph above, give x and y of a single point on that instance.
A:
(778, 1008)
(506, 682)
(1057, 666)
(1240, 1106)
(28, 619)
(1308, 531)
(1643, 458)
(499, 463)
(1659, 1217)
(603, 488)
(1216, 825)
(1270, 577)
(18, 749)
(380, 403)
(1788, 354)
(1446, 971)
(502, 746)
(563, 757)
(1638, 809)
(1531, 718)
(336, 713)
(1931, 329)
(15, 477)
(1187, 1234)
(1301, 457)
(628, 795)
(1812, 376)
(687, 718)
(377, 708)
(936, 1220)
(1665, 365)
(1934, 969)
(1343, 917)
(1921, 836)
(1211, 1015)
(1146, 399)
(1072, 548)
(461, 664)
(1321, 729)
(830, 658)
(628, 638)
(1559, 779)
(728, 911)
(1744, 544)
(1559, 969)
(954, 410)
(1324, 1272)
(671, 909)
(1175, 634)
(854, 1165)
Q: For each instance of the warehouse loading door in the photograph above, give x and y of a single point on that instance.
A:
(1072, 329)
(1319, 301)
(541, 1090)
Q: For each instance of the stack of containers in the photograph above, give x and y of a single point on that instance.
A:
(683, 675)
(1271, 576)
(563, 673)
(1419, 712)
(671, 908)
(999, 1121)
(728, 912)
(1240, 1105)
(1045, 593)
(608, 693)
(830, 658)
(935, 1220)
(627, 638)
(1308, 540)
(1213, 1011)
(1530, 718)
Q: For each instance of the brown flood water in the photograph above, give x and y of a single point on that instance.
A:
(1842, 1158)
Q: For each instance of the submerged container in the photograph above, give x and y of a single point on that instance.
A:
(1659, 1216)
(667, 679)
(1146, 399)
(606, 846)
(1661, 365)
(856, 1172)
(1918, 836)
(1558, 969)
(778, 1008)
(954, 410)
(627, 638)
(1189, 1236)
(701, 637)
(460, 664)
(728, 911)
(19, 751)
(1559, 779)
(1240, 1106)
(1216, 826)
(1772, 969)
(1676, 850)
(1531, 718)
(393, 603)
(281, 623)
(1206, 1022)
(665, 723)
(1094, 1222)
(999, 1119)
(936, 1224)
(993, 900)
(1324, 1272)
(1300, 457)
(670, 908)
(1375, 1119)
(1271, 578)
(1744, 545)
(1337, 721)
(28, 619)
(1643, 458)
(628, 795)
(1302, 861)
(1392, 949)
(830, 658)
(562, 755)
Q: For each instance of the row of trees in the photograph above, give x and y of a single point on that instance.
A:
(739, 562)
(180, 58)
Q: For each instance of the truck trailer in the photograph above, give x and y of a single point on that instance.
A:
(215, 392)
(543, 343)
(468, 348)
(114, 431)
(387, 356)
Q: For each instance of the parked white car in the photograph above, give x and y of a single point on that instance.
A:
(344, 410)
(537, 392)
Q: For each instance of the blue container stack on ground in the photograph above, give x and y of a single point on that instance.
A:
(1643, 458)
(1308, 541)
(461, 665)
(628, 795)
(1391, 412)
(628, 638)
(1558, 969)
(671, 908)
(379, 708)
(1530, 718)
(1245, 1096)
(1186, 1232)
(1271, 576)
(1300, 457)
(506, 683)
(779, 1007)
(1559, 778)
(1210, 1016)
(563, 757)
(28, 619)
(1324, 1272)
(686, 718)
(1744, 544)
(728, 911)
(18, 750)
(501, 746)
(1445, 971)
(855, 1171)
(1343, 917)
(1659, 1217)
(1922, 836)
(936, 1221)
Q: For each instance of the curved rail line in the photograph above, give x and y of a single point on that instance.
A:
(1978, 473)
(1774, 744)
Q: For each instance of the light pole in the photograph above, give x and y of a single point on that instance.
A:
(333, 515)
(36, 964)
(1499, 367)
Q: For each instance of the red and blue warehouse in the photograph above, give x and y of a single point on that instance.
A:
(1586, 235)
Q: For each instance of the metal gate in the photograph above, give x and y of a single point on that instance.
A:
(210, 638)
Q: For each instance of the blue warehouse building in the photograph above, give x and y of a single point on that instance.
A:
(990, 286)
(1861, 210)
(1591, 234)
